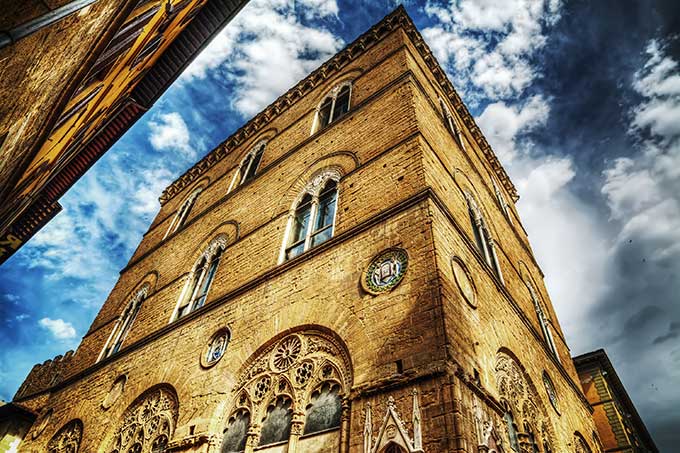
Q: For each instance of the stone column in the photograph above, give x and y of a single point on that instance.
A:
(252, 438)
(344, 426)
(297, 426)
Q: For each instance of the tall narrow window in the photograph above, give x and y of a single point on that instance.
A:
(543, 322)
(531, 438)
(483, 239)
(512, 428)
(277, 422)
(324, 411)
(501, 200)
(333, 107)
(124, 324)
(249, 165)
(312, 221)
(235, 435)
(182, 213)
(451, 123)
(195, 294)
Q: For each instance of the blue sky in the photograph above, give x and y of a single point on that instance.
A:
(580, 100)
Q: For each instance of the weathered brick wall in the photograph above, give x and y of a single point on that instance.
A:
(399, 188)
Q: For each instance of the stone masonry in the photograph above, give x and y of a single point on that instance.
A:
(434, 364)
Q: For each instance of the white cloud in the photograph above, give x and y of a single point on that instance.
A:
(266, 49)
(489, 43)
(169, 132)
(60, 329)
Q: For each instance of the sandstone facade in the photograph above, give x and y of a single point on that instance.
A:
(464, 354)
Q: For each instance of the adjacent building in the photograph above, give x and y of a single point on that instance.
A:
(618, 423)
(75, 75)
(347, 272)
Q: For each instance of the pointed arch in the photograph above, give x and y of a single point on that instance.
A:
(148, 422)
(67, 439)
(334, 105)
(187, 204)
(281, 380)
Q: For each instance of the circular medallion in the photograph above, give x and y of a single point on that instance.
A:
(385, 271)
(216, 348)
(550, 390)
(44, 420)
(286, 352)
(115, 392)
(464, 281)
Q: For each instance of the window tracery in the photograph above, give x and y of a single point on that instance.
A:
(202, 275)
(580, 444)
(500, 198)
(148, 424)
(311, 221)
(248, 167)
(295, 386)
(183, 212)
(335, 105)
(523, 404)
(67, 439)
(485, 243)
(124, 323)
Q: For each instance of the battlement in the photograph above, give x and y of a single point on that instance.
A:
(45, 375)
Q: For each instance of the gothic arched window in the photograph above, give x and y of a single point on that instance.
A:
(291, 392)
(124, 324)
(67, 439)
(312, 221)
(512, 428)
(334, 106)
(196, 291)
(276, 424)
(485, 243)
(505, 207)
(147, 424)
(183, 213)
(324, 410)
(543, 322)
(531, 438)
(452, 124)
(248, 167)
(236, 433)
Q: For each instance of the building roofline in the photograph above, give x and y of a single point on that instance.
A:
(600, 358)
(397, 18)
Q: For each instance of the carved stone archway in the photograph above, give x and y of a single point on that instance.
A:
(67, 439)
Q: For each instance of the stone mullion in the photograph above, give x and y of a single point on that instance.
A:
(297, 427)
(252, 437)
(344, 426)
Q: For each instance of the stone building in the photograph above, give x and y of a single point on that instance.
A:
(75, 75)
(618, 423)
(346, 273)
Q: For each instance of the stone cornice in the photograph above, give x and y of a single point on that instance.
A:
(398, 18)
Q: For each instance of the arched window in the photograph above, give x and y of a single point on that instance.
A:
(124, 324)
(543, 322)
(147, 424)
(248, 167)
(505, 208)
(531, 438)
(324, 410)
(312, 221)
(183, 213)
(196, 291)
(452, 124)
(237, 432)
(67, 439)
(291, 393)
(512, 428)
(483, 239)
(334, 106)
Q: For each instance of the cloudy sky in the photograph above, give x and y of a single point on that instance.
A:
(580, 100)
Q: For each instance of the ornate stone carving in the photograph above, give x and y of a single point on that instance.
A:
(550, 391)
(215, 348)
(516, 388)
(294, 366)
(151, 417)
(67, 439)
(115, 392)
(580, 445)
(385, 271)
(318, 181)
(393, 430)
(219, 242)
